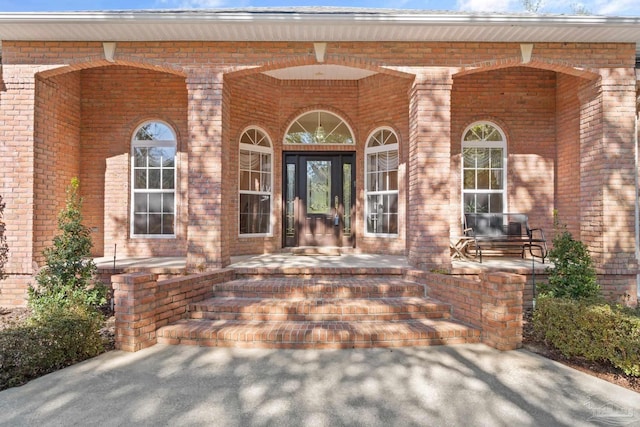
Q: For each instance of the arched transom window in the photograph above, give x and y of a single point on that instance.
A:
(153, 158)
(381, 183)
(484, 168)
(318, 127)
(256, 182)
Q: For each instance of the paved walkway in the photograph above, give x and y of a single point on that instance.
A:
(465, 385)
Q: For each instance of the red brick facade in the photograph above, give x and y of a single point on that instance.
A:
(568, 116)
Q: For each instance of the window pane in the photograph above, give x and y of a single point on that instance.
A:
(496, 158)
(168, 179)
(496, 179)
(155, 203)
(140, 224)
(483, 179)
(155, 224)
(140, 156)
(140, 179)
(245, 179)
(495, 201)
(470, 203)
(167, 224)
(482, 203)
(318, 186)
(168, 205)
(265, 162)
(154, 179)
(254, 213)
(140, 203)
(482, 158)
(155, 157)
(374, 214)
(255, 181)
(469, 179)
(469, 155)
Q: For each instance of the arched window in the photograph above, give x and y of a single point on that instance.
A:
(153, 177)
(484, 169)
(318, 127)
(381, 183)
(256, 182)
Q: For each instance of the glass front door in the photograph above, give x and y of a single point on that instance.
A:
(318, 203)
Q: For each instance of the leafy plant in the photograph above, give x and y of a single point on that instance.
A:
(4, 248)
(595, 331)
(573, 274)
(58, 338)
(68, 278)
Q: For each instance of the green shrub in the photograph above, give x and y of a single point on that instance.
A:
(58, 338)
(572, 275)
(68, 279)
(4, 248)
(595, 331)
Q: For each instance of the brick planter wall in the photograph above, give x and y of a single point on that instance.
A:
(493, 302)
(143, 304)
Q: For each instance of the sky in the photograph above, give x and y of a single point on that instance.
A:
(590, 7)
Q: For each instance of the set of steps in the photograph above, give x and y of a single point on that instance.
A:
(326, 312)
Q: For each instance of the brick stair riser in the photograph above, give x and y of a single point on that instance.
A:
(322, 317)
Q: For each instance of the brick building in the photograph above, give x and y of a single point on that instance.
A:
(209, 134)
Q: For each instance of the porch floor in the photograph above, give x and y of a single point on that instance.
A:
(284, 260)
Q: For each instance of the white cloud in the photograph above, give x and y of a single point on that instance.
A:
(616, 7)
(487, 5)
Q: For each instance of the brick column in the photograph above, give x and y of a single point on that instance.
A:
(16, 186)
(429, 170)
(135, 310)
(502, 303)
(607, 178)
(207, 246)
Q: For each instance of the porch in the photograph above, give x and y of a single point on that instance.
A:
(284, 260)
(353, 300)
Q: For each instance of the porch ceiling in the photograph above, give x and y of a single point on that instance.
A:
(314, 24)
(320, 72)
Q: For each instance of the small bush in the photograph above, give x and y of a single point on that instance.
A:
(69, 277)
(56, 339)
(595, 331)
(4, 248)
(573, 275)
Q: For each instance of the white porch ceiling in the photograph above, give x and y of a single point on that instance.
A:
(320, 72)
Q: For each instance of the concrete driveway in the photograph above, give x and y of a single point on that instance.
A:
(466, 385)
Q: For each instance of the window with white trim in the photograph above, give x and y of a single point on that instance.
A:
(381, 183)
(319, 127)
(484, 169)
(153, 181)
(255, 183)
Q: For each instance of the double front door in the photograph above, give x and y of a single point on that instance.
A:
(318, 199)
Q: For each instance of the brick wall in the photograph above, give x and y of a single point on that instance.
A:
(142, 304)
(114, 101)
(57, 153)
(16, 185)
(521, 101)
(492, 302)
(568, 148)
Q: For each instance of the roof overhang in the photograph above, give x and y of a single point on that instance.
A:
(314, 24)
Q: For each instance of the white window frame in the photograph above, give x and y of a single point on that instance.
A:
(312, 131)
(374, 150)
(485, 144)
(263, 150)
(135, 143)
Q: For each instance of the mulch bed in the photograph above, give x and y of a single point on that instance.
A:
(601, 369)
(14, 316)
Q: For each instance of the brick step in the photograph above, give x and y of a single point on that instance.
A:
(378, 287)
(319, 272)
(328, 309)
(304, 335)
